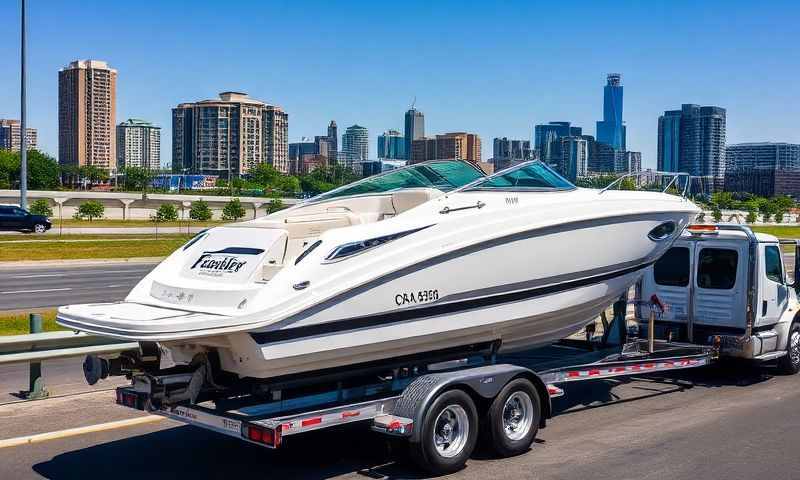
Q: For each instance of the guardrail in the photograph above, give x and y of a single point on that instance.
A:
(35, 348)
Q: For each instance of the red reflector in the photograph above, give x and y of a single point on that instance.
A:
(254, 434)
(311, 421)
(350, 414)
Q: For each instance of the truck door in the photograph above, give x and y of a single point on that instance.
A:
(773, 293)
(720, 294)
(669, 280)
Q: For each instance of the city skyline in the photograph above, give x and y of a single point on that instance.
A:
(658, 71)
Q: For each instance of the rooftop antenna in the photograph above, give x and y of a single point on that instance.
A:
(414, 102)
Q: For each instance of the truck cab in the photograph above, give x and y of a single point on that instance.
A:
(727, 284)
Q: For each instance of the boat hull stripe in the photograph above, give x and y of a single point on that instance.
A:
(398, 316)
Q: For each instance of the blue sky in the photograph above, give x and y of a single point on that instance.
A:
(494, 68)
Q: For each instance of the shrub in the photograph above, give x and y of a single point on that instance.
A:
(752, 216)
(90, 209)
(165, 213)
(233, 210)
(41, 207)
(716, 213)
(199, 211)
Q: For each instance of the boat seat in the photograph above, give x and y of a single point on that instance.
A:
(409, 198)
(309, 225)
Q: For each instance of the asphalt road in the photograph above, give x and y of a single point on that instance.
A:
(51, 286)
(715, 423)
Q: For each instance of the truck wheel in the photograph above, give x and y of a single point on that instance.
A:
(789, 364)
(513, 418)
(449, 434)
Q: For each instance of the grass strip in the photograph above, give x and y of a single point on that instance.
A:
(37, 250)
(18, 323)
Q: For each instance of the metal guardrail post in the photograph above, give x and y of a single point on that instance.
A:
(36, 387)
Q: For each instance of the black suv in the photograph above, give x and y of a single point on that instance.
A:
(15, 218)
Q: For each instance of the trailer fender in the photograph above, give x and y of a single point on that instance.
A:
(484, 382)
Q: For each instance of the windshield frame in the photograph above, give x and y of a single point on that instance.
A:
(328, 197)
(474, 186)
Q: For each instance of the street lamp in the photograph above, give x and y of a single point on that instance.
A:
(23, 153)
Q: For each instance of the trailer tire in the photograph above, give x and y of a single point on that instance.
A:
(449, 434)
(789, 364)
(512, 420)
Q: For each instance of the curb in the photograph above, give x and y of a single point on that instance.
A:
(78, 262)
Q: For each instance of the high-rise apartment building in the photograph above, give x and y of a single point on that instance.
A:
(333, 142)
(611, 130)
(506, 151)
(138, 144)
(450, 146)
(574, 157)
(11, 139)
(87, 97)
(306, 155)
(772, 155)
(355, 144)
(627, 162)
(392, 145)
(229, 136)
(546, 139)
(414, 129)
(692, 140)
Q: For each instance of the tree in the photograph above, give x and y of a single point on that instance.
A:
(275, 204)
(90, 209)
(779, 216)
(165, 213)
(199, 211)
(41, 207)
(723, 199)
(233, 210)
(783, 202)
(752, 215)
(43, 170)
(716, 213)
(137, 178)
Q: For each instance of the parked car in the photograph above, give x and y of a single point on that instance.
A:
(17, 219)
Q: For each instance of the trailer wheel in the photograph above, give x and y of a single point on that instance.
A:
(789, 364)
(513, 418)
(449, 433)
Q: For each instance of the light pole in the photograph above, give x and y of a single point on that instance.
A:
(23, 151)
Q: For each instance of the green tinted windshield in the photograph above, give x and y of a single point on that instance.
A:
(444, 176)
(527, 176)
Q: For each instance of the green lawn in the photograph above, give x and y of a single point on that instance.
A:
(108, 222)
(17, 323)
(780, 231)
(87, 237)
(105, 248)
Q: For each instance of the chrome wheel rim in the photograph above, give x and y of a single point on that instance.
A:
(450, 431)
(794, 348)
(38, 228)
(517, 415)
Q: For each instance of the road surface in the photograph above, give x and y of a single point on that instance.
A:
(716, 423)
(38, 286)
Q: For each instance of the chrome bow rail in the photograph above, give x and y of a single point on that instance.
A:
(675, 176)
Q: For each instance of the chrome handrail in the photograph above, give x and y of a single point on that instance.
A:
(675, 176)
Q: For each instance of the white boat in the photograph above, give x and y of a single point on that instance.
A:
(424, 258)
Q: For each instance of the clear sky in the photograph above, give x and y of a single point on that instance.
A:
(494, 68)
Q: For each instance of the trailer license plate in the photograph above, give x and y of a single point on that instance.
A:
(196, 417)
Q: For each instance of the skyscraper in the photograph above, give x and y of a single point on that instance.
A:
(355, 144)
(610, 130)
(11, 138)
(770, 155)
(333, 142)
(506, 151)
(546, 139)
(138, 144)
(87, 98)
(574, 157)
(692, 140)
(229, 136)
(415, 129)
(392, 145)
